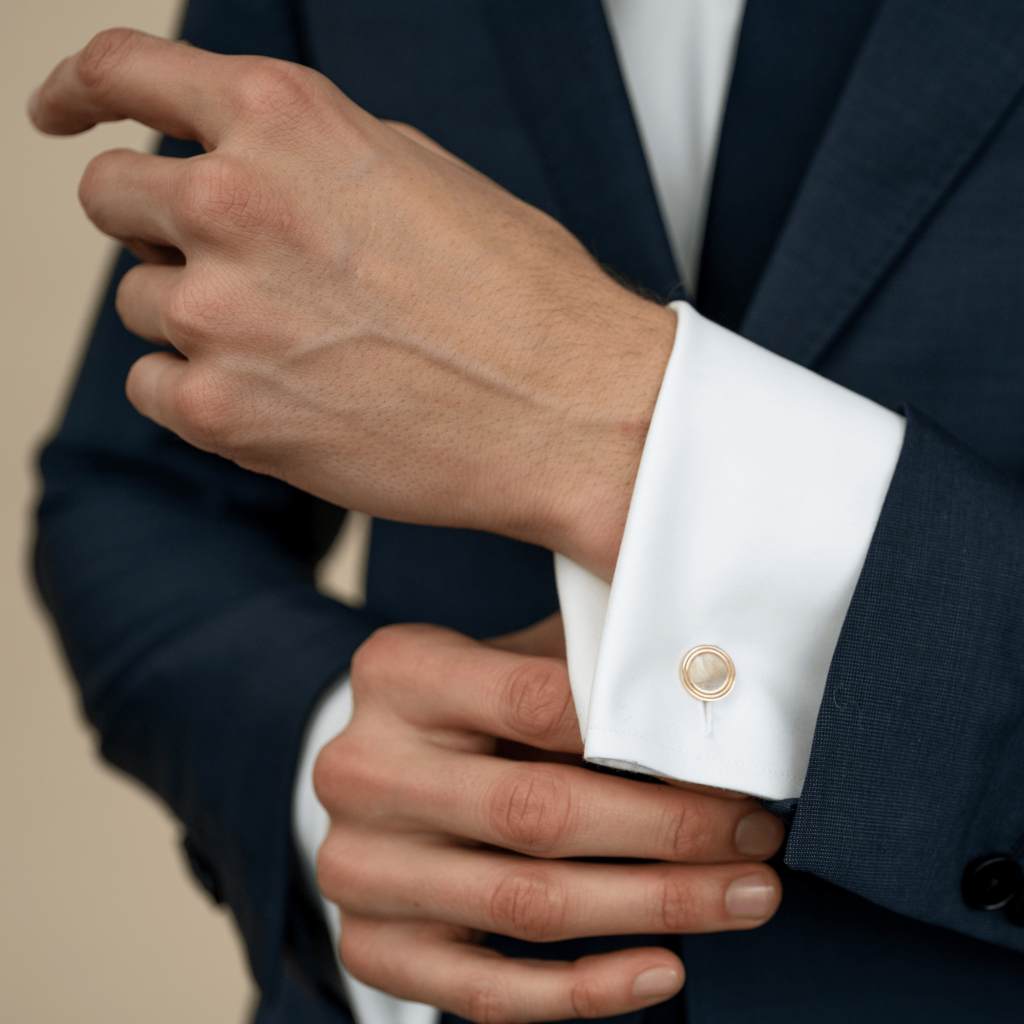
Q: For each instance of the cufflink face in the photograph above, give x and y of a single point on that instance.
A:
(707, 673)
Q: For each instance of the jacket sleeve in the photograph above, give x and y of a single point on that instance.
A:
(917, 764)
(182, 587)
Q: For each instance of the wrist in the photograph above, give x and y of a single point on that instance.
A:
(587, 484)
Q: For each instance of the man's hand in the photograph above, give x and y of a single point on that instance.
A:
(356, 311)
(434, 840)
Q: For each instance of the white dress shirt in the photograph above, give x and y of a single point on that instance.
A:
(757, 496)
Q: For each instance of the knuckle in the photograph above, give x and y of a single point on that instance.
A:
(126, 294)
(361, 956)
(190, 310)
(529, 903)
(332, 870)
(373, 659)
(392, 654)
(336, 774)
(587, 1000)
(413, 133)
(92, 180)
(687, 831)
(485, 1002)
(181, 312)
(218, 191)
(277, 93)
(345, 872)
(353, 955)
(531, 809)
(537, 699)
(104, 55)
(208, 404)
(355, 782)
(677, 902)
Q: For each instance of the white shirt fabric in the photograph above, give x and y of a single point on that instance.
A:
(676, 58)
(757, 496)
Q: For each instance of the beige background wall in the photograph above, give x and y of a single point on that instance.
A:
(99, 921)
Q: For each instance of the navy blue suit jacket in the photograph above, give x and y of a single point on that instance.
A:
(183, 585)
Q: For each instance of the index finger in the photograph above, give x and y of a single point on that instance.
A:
(123, 73)
(435, 678)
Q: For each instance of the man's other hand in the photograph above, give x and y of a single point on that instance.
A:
(352, 309)
(435, 840)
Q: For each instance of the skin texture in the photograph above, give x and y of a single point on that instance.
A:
(346, 306)
(354, 310)
(438, 835)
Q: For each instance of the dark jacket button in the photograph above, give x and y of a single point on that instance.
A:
(991, 882)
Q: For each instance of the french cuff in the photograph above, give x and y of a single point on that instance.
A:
(756, 499)
(309, 829)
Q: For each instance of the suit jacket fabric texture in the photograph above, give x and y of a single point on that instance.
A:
(183, 586)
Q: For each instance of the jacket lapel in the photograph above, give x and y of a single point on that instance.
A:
(560, 67)
(932, 82)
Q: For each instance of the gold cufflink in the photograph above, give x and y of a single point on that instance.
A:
(707, 673)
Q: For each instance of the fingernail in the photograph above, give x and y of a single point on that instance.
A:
(658, 981)
(759, 834)
(33, 103)
(750, 897)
